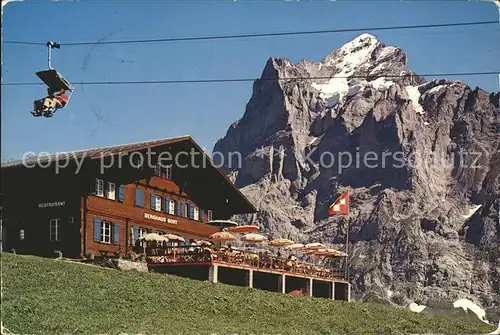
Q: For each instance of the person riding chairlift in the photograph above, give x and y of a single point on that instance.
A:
(50, 103)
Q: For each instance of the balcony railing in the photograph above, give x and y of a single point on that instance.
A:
(240, 258)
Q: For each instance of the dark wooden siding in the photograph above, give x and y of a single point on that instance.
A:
(22, 194)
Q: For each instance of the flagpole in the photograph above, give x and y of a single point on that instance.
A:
(347, 247)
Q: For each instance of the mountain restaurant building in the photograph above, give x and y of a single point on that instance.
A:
(103, 200)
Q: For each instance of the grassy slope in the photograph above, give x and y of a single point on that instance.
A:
(52, 297)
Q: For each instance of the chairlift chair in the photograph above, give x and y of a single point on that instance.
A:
(54, 81)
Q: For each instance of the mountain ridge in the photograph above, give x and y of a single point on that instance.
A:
(435, 153)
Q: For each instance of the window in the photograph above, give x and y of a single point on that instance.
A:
(21, 234)
(139, 197)
(99, 188)
(209, 215)
(137, 233)
(163, 171)
(168, 172)
(106, 232)
(158, 203)
(196, 215)
(111, 191)
(54, 229)
(169, 206)
(202, 215)
(157, 170)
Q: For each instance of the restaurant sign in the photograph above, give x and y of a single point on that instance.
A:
(159, 218)
(52, 204)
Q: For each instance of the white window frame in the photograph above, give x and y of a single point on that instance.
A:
(142, 231)
(209, 215)
(157, 170)
(99, 187)
(158, 201)
(55, 225)
(106, 232)
(196, 213)
(171, 207)
(111, 194)
(168, 172)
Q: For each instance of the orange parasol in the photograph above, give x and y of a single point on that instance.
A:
(280, 242)
(295, 246)
(222, 236)
(253, 238)
(244, 229)
(173, 237)
(314, 246)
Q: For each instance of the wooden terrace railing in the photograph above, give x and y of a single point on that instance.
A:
(240, 258)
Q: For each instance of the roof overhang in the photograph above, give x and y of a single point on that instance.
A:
(192, 170)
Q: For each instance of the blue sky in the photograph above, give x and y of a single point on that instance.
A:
(108, 115)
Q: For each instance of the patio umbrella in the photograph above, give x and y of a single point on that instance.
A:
(222, 236)
(253, 238)
(222, 223)
(314, 246)
(295, 246)
(281, 242)
(328, 253)
(173, 237)
(152, 237)
(244, 229)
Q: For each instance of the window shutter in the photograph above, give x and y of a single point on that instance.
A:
(153, 201)
(139, 198)
(178, 208)
(97, 230)
(164, 205)
(121, 193)
(116, 233)
(202, 215)
(135, 234)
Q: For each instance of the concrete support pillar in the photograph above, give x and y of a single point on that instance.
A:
(348, 292)
(333, 290)
(249, 278)
(309, 287)
(283, 283)
(213, 273)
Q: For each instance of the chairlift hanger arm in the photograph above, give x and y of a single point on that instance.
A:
(51, 45)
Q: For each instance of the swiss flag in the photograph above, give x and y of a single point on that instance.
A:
(340, 206)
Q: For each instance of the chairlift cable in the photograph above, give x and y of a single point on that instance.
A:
(290, 33)
(232, 80)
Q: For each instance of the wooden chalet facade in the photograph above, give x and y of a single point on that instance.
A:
(102, 200)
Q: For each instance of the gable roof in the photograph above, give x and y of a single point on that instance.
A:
(96, 152)
(245, 206)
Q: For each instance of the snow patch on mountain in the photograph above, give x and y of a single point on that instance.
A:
(466, 304)
(414, 95)
(381, 84)
(333, 91)
(387, 51)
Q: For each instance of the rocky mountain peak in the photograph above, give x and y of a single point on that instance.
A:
(417, 157)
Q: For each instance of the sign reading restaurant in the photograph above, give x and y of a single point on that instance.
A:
(159, 218)
(52, 204)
